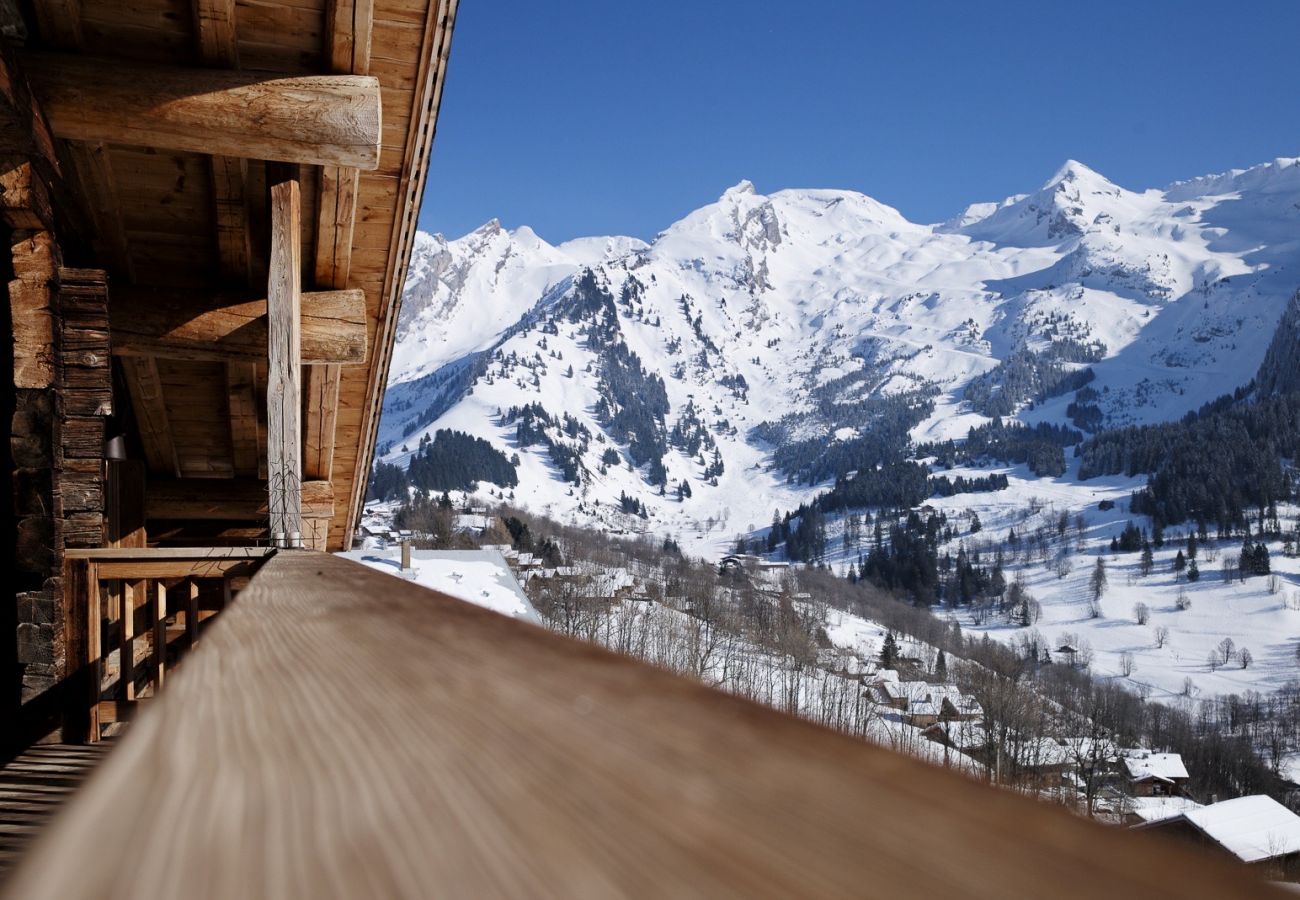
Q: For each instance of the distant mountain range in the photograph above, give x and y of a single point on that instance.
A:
(764, 345)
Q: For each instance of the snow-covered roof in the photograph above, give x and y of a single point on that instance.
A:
(1157, 809)
(1143, 764)
(1250, 828)
(481, 577)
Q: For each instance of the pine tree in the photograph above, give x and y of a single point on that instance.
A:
(1193, 571)
(1098, 580)
(941, 667)
(888, 651)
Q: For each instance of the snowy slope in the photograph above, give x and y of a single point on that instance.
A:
(786, 318)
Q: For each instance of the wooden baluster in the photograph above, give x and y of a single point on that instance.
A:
(158, 665)
(94, 644)
(191, 614)
(126, 655)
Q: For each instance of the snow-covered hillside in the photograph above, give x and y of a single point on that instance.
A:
(763, 346)
(814, 315)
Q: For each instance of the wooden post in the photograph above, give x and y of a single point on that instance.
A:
(284, 355)
(406, 556)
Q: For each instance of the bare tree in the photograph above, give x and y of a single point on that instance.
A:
(1141, 613)
(1161, 635)
(1245, 657)
(1126, 663)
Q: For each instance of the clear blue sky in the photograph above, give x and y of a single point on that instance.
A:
(583, 117)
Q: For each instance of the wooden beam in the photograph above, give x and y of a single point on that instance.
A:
(284, 362)
(59, 22)
(227, 499)
(231, 213)
(214, 28)
(350, 24)
(335, 224)
(241, 398)
(318, 119)
(98, 190)
(320, 419)
(218, 47)
(145, 387)
(190, 325)
(498, 759)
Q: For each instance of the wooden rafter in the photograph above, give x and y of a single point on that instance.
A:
(230, 213)
(318, 120)
(98, 189)
(218, 47)
(228, 499)
(241, 396)
(436, 49)
(59, 22)
(320, 415)
(145, 387)
(214, 26)
(192, 325)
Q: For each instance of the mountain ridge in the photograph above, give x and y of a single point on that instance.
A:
(819, 317)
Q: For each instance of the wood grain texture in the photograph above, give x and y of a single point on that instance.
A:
(146, 391)
(342, 733)
(429, 77)
(284, 363)
(214, 29)
(199, 325)
(98, 192)
(321, 120)
(245, 425)
(320, 418)
(227, 499)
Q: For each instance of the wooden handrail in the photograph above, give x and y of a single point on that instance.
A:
(340, 733)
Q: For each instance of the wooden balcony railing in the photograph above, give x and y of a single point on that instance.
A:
(136, 613)
(344, 733)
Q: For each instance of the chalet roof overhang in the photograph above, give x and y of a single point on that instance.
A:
(150, 141)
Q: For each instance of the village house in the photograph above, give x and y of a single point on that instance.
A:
(1150, 774)
(1257, 831)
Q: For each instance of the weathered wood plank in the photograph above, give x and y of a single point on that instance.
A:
(98, 192)
(59, 22)
(230, 212)
(350, 25)
(145, 388)
(214, 28)
(479, 756)
(435, 48)
(335, 226)
(284, 362)
(36, 262)
(126, 554)
(228, 499)
(197, 326)
(320, 120)
(241, 399)
(320, 418)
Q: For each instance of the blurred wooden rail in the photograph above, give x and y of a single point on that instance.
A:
(342, 733)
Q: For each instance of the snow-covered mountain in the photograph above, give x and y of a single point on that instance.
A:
(765, 340)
